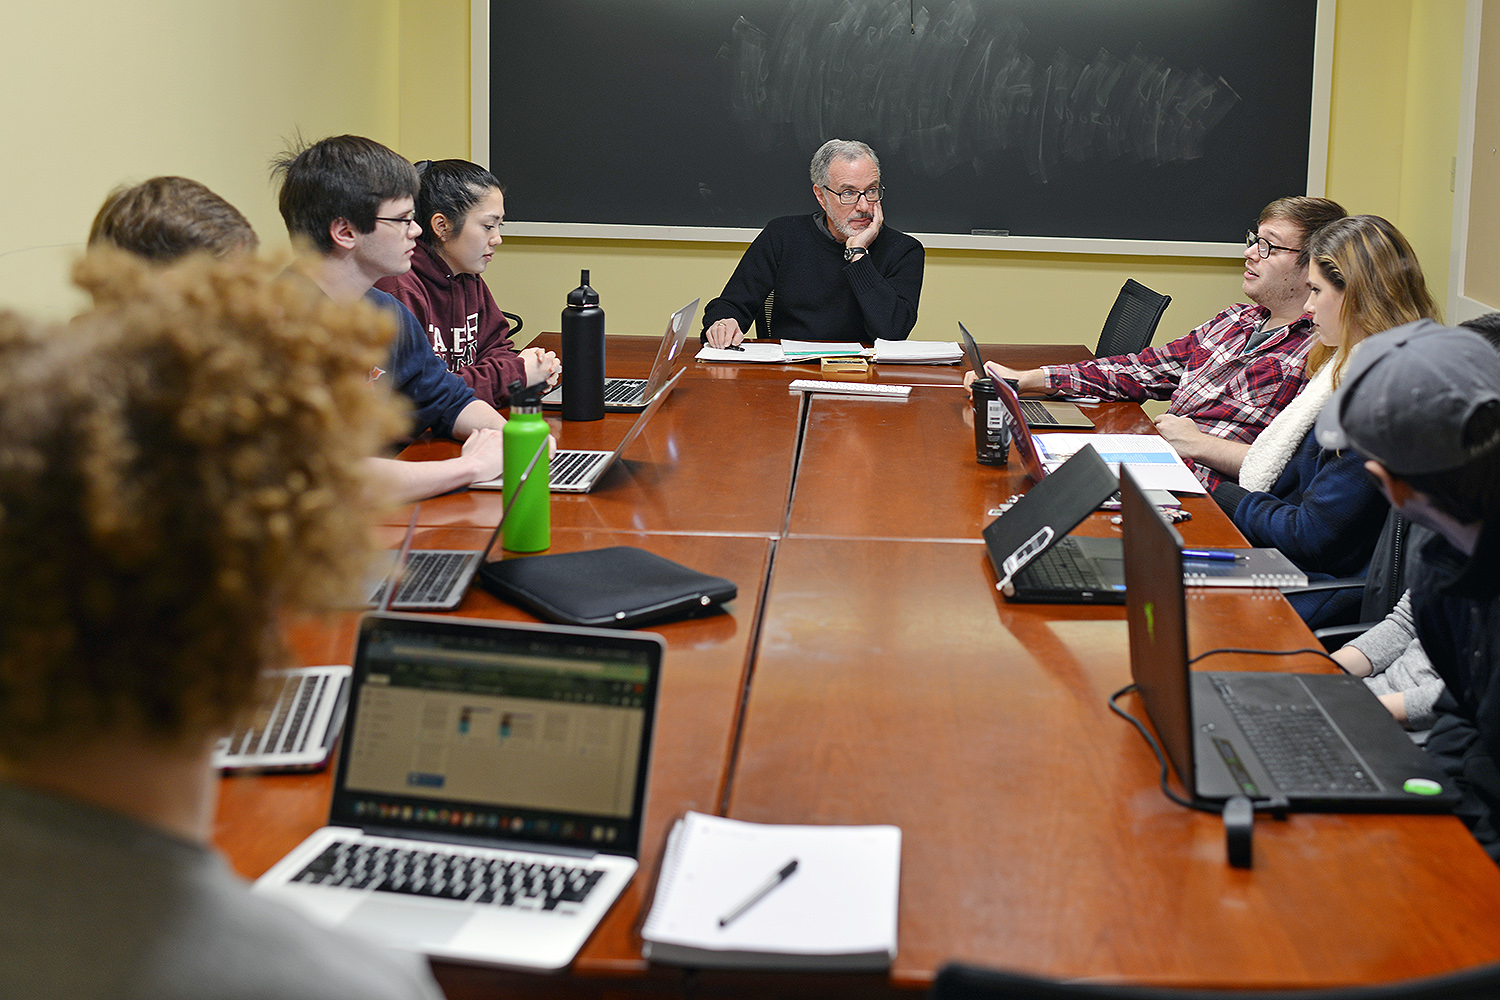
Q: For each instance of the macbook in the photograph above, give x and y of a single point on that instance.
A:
(489, 797)
(631, 395)
(580, 471)
(1044, 415)
(1322, 742)
(437, 579)
(295, 728)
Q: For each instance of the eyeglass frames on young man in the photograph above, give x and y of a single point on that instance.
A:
(404, 221)
(1264, 246)
(871, 196)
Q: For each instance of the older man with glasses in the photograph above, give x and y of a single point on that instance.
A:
(1227, 378)
(837, 274)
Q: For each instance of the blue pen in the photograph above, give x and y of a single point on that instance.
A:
(1209, 555)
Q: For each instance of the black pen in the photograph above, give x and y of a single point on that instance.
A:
(760, 893)
(733, 347)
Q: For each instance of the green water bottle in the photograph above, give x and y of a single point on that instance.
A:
(528, 525)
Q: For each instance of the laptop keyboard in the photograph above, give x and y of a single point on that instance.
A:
(624, 390)
(570, 467)
(1061, 567)
(443, 874)
(1036, 413)
(428, 577)
(285, 730)
(1300, 749)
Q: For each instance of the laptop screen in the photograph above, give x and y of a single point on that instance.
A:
(537, 734)
(1020, 430)
(1156, 612)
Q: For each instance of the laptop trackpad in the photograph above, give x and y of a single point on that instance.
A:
(407, 923)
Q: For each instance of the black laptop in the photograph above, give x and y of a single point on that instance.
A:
(1035, 557)
(1322, 742)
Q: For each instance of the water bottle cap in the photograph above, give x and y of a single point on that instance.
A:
(526, 398)
(583, 295)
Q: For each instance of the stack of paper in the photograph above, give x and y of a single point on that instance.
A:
(749, 351)
(811, 350)
(1150, 459)
(835, 910)
(918, 352)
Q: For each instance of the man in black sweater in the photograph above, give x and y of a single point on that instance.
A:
(839, 274)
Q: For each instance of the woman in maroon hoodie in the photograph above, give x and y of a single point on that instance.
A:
(461, 208)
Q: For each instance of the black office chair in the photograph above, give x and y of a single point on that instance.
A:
(964, 982)
(763, 318)
(1132, 320)
(1382, 585)
(515, 322)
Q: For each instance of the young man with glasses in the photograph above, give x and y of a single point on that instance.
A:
(838, 274)
(1229, 377)
(350, 205)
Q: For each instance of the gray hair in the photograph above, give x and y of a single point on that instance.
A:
(839, 149)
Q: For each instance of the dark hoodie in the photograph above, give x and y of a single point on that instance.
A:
(464, 325)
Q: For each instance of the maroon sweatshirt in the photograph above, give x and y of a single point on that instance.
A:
(463, 324)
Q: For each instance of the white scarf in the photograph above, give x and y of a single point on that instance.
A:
(1273, 449)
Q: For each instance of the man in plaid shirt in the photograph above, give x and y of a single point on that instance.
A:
(1229, 377)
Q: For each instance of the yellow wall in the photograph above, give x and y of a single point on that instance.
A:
(100, 93)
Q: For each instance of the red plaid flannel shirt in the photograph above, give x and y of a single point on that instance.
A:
(1227, 391)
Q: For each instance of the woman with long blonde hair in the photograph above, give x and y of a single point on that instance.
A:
(1320, 507)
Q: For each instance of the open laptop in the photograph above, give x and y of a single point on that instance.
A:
(1033, 554)
(1323, 742)
(1020, 429)
(580, 471)
(437, 579)
(296, 727)
(489, 798)
(631, 395)
(1045, 415)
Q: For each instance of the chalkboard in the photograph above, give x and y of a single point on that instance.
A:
(1164, 120)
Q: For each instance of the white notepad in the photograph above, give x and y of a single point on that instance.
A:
(837, 911)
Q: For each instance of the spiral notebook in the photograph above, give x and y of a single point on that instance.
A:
(736, 895)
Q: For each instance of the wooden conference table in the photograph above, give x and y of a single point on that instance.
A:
(868, 672)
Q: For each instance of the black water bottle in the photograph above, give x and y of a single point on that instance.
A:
(583, 354)
(991, 427)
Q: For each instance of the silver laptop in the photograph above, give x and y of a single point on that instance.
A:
(1043, 415)
(490, 793)
(580, 471)
(436, 579)
(631, 395)
(295, 729)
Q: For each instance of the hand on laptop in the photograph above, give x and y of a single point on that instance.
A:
(540, 365)
(1027, 381)
(486, 448)
(724, 333)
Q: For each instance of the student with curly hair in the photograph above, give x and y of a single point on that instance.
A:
(180, 467)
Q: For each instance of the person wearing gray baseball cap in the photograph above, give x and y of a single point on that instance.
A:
(1421, 403)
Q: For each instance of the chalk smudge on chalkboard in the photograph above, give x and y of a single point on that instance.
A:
(961, 91)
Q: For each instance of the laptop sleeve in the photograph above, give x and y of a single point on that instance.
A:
(618, 587)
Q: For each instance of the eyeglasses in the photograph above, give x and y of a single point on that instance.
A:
(1264, 246)
(405, 222)
(850, 197)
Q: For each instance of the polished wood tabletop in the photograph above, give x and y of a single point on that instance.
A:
(869, 672)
